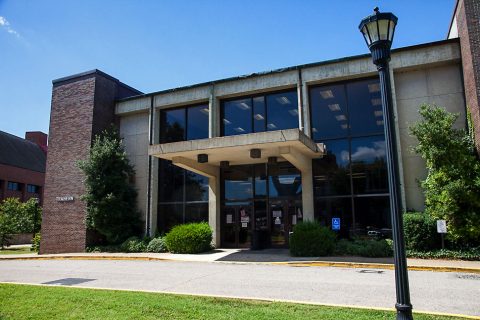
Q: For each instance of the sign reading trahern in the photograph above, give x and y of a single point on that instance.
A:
(441, 226)
(64, 199)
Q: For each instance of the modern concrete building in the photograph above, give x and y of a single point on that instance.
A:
(264, 151)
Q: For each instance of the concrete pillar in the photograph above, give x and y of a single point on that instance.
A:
(214, 114)
(307, 194)
(305, 109)
(214, 207)
(155, 162)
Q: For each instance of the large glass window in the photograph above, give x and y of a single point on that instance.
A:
(260, 113)
(182, 197)
(181, 124)
(237, 182)
(350, 181)
(284, 180)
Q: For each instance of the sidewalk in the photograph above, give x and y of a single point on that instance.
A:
(267, 256)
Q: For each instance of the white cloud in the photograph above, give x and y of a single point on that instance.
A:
(367, 153)
(6, 25)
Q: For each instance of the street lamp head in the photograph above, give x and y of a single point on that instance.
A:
(378, 30)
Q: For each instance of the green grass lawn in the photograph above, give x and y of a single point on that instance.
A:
(36, 302)
(16, 250)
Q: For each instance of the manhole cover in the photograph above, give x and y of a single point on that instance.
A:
(371, 271)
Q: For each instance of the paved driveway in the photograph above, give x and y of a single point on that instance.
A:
(457, 293)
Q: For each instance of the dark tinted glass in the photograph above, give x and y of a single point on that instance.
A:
(372, 214)
(326, 209)
(369, 169)
(260, 181)
(238, 183)
(365, 107)
(237, 117)
(197, 124)
(331, 173)
(196, 187)
(170, 182)
(172, 125)
(169, 215)
(329, 112)
(282, 111)
(259, 114)
(284, 180)
(196, 212)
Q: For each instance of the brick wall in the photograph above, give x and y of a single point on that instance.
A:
(82, 106)
(23, 177)
(468, 24)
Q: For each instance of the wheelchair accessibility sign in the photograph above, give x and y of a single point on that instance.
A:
(335, 223)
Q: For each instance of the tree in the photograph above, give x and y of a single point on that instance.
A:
(110, 199)
(452, 186)
(17, 217)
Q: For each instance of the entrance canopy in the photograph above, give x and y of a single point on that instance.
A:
(291, 145)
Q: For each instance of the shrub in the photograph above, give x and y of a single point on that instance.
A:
(189, 238)
(18, 217)
(36, 243)
(365, 248)
(310, 239)
(133, 244)
(157, 245)
(472, 254)
(420, 231)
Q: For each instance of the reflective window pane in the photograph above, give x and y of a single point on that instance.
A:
(196, 212)
(326, 209)
(196, 187)
(238, 183)
(260, 181)
(169, 215)
(282, 111)
(284, 180)
(331, 173)
(170, 182)
(365, 107)
(259, 114)
(237, 117)
(197, 124)
(373, 214)
(329, 112)
(172, 125)
(369, 169)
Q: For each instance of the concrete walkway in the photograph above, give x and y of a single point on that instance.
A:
(267, 256)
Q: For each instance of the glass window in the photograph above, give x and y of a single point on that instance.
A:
(326, 209)
(197, 122)
(284, 180)
(237, 117)
(170, 182)
(32, 188)
(173, 125)
(365, 107)
(369, 169)
(260, 181)
(238, 183)
(282, 111)
(196, 212)
(196, 187)
(259, 117)
(331, 173)
(14, 186)
(169, 215)
(329, 112)
(373, 214)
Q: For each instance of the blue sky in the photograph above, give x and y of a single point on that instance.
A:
(156, 45)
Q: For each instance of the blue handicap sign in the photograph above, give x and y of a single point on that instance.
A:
(335, 223)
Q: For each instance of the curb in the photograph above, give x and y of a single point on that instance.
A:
(335, 264)
(255, 299)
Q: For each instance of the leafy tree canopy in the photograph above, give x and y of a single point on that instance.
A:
(110, 198)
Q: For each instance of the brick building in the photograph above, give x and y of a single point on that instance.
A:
(22, 165)
(264, 151)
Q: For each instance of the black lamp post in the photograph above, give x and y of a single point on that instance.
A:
(378, 30)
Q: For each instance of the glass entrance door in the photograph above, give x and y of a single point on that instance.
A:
(237, 220)
(284, 215)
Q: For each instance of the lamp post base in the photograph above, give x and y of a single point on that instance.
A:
(404, 311)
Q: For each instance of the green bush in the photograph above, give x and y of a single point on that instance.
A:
(420, 231)
(36, 243)
(134, 244)
(157, 245)
(472, 254)
(189, 238)
(365, 248)
(310, 239)
(18, 217)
